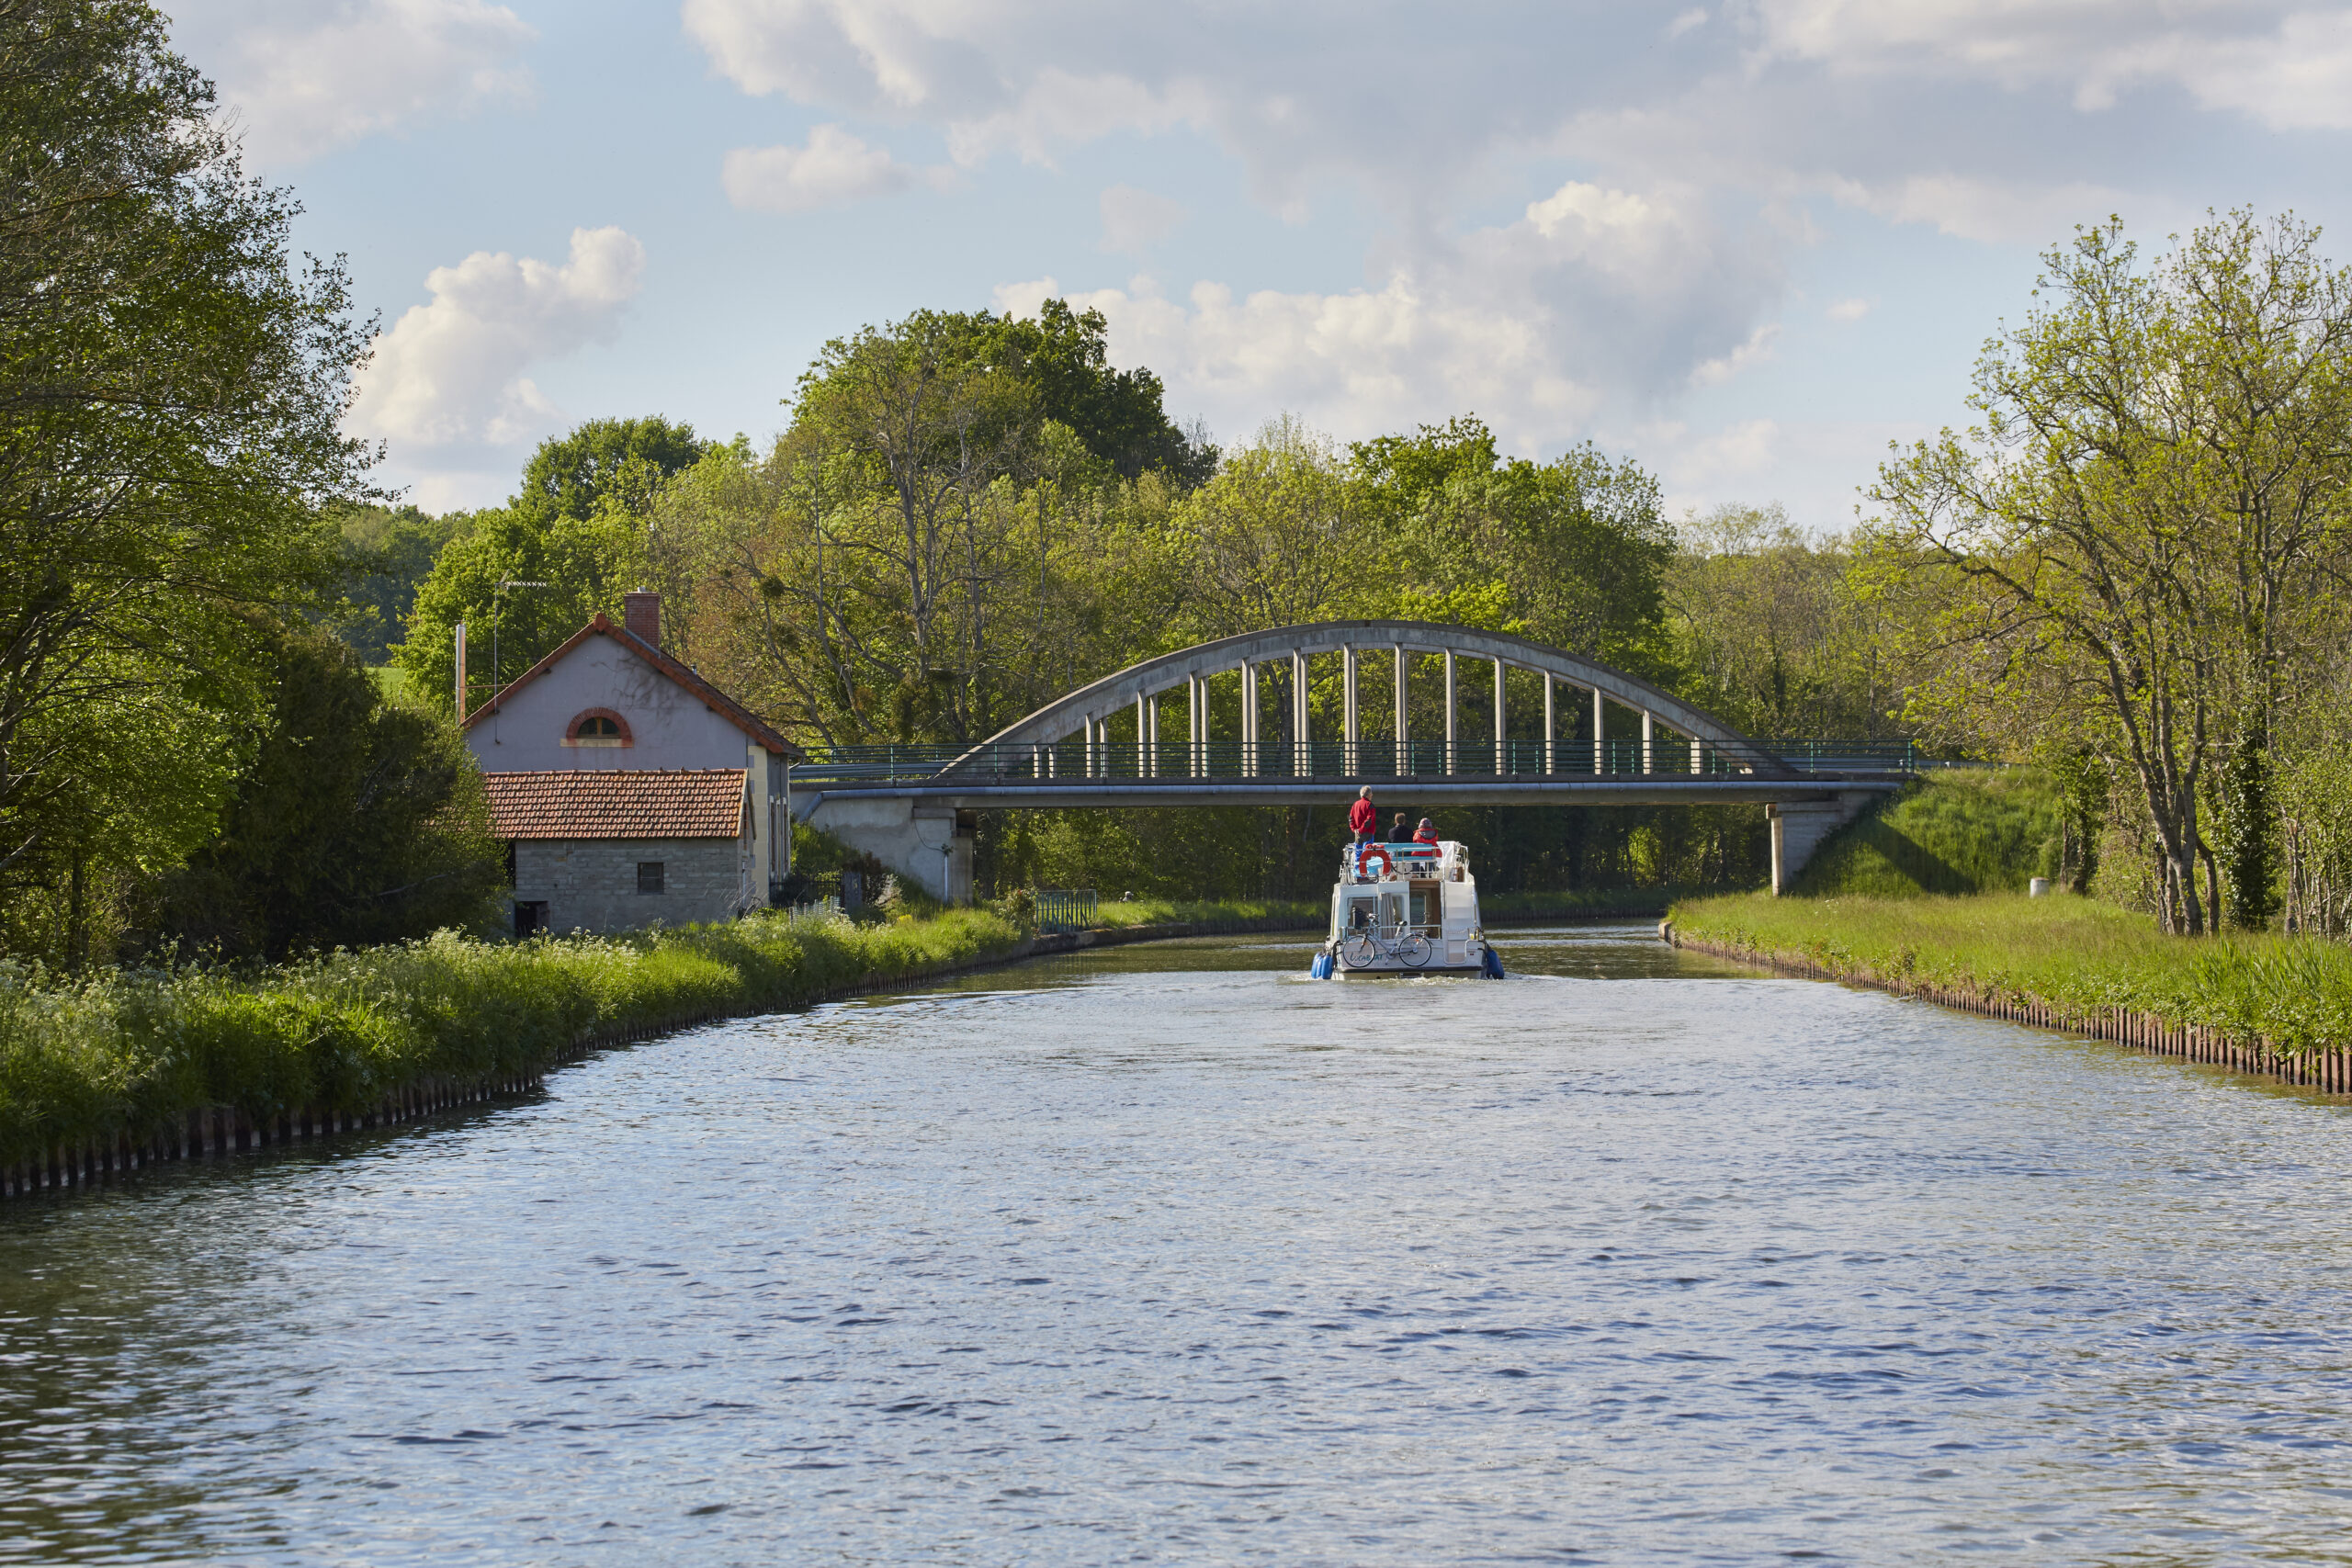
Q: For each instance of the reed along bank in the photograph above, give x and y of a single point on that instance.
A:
(124, 1066)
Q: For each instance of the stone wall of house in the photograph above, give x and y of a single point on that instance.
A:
(592, 883)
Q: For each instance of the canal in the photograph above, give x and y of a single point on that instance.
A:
(1165, 1254)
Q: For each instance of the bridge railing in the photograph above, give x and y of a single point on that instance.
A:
(1074, 761)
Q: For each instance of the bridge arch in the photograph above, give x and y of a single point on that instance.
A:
(1289, 647)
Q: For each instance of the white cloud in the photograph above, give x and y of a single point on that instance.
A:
(2284, 64)
(835, 169)
(304, 79)
(1133, 221)
(2021, 212)
(1597, 295)
(1817, 467)
(1848, 310)
(1685, 149)
(451, 373)
(1723, 367)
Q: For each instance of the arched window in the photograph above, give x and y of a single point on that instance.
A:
(597, 726)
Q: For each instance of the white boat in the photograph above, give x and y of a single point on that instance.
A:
(1406, 909)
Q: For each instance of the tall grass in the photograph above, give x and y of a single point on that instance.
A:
(2076, 956)
(135, 1051)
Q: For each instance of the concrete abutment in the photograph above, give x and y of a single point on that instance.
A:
(1802, 826)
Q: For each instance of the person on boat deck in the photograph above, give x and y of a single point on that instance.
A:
(1363, 821)
(1397, 833)
(1426, 833)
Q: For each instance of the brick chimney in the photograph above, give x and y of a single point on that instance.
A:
(642, 616)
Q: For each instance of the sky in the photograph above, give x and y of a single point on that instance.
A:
(1745, 246)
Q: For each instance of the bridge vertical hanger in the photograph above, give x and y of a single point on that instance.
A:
(1548, 726)
(1151, 712)
(1648, 755)
(1403, 742)
(1301, 732)
(1249, 718)
(1499, 758)
(1600, 732)
(1449, 710)
(1348, 732)
(1192, 724)
(1143, 739)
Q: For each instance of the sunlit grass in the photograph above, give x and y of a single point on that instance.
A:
(2076, 955)
(1968, 830)
(136, 1052)
(1119, 913)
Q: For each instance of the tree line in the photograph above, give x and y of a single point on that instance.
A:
(226, 681)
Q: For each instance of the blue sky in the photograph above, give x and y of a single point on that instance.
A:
(1745, 245)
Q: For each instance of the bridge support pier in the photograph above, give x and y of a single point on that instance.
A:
(1800, 827)
(920, 842)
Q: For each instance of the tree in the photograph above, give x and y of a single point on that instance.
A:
(1064, 358)
(1772, 635)
(354, 821)
(580, 525)
(569, 474)
(171, 389)
(585, 564)
(388, 553)
(2139, 543)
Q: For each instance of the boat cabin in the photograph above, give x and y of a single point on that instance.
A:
(1406, 907)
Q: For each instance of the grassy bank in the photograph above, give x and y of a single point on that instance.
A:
(1235, 913)
(2071, 954)
(1578, 904)
(1968, 830)
(135, 1053)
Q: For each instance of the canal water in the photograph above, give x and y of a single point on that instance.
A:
(1166, 1253)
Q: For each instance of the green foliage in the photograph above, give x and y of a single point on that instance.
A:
(387, 555)
(355, 820)
(2076, 955)
(572, 474)
(1971, 830)
(135, 1053)
(172, 385)
(1772, 631)
(2245, 835)
(2142, 548)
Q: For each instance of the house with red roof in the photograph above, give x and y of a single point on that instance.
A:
(629, 788)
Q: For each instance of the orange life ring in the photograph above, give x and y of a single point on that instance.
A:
(1363, 862)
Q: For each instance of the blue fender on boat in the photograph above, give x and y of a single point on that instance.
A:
(1494, 964)
(1321, 968)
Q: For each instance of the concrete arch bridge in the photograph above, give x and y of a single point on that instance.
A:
(1538, 724)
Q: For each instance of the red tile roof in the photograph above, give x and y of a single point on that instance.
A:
(735, 712)
(617, 802)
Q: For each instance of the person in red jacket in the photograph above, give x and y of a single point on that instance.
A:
(1363, 821)
(1428, 833)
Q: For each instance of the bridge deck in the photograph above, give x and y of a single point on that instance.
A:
(1663, 789)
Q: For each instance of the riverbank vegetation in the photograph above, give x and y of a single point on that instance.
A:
(1223, 914)
(2130, 576)
(1956, 831)
(2077, 955)
(133, 1052)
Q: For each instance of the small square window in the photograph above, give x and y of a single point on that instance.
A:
(649, 875)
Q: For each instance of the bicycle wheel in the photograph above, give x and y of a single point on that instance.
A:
(1414, 949)
(1358, 950)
